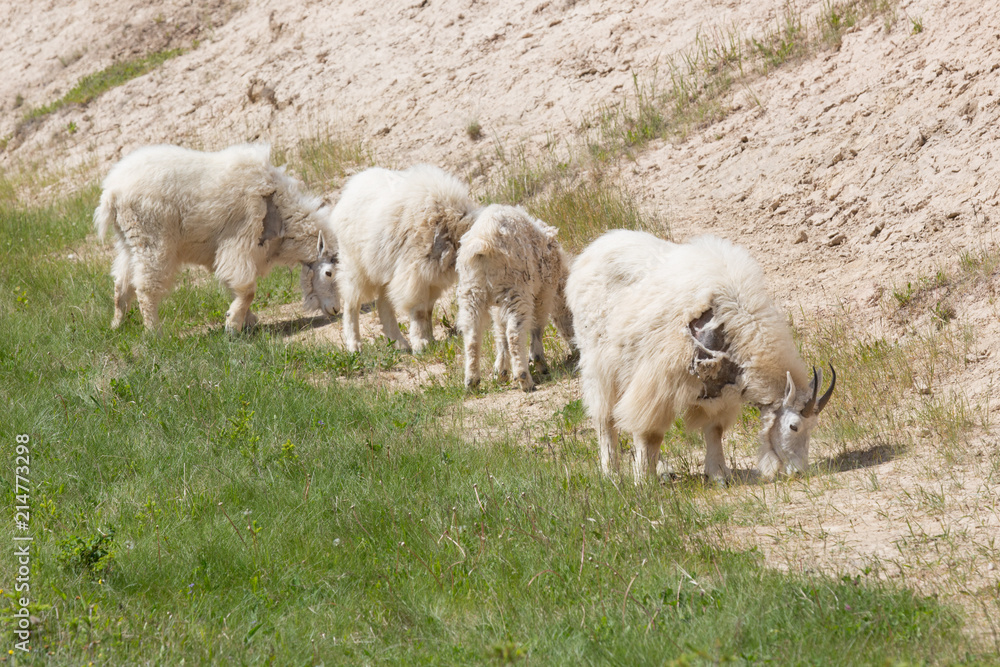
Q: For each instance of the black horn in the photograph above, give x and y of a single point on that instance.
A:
(825, 398)
(807, 409)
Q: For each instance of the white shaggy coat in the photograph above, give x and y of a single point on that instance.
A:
(637, 302)
(512, 264)
(230, 211)
(398, 235)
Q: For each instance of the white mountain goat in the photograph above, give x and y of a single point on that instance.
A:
(669, 329)
(512, 263)
(230, 211)
(398, 234)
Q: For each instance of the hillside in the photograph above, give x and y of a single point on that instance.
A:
(409, 80)
(887, 140)
(863, 172)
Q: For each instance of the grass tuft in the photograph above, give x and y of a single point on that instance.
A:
(784, 43)
(582, 205)
(92, 85)
(935, 294)
(325, 160)
(474, 130)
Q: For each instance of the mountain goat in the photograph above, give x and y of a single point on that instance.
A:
(513, 263)
(230, 211)
(398, 235)
(666, 329)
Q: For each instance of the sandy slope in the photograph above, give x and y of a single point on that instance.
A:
(888, 142)
(860, 169)
(409, 77)
(883, 154)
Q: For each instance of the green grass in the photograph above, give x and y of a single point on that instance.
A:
(92, 85)
(785, 42)
(979, 263)
(196, 496)
(326, 159)
(30, 182)
(582, 207)
(585, 210)
(874, 377)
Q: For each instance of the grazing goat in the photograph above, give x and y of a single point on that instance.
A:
(230, 211)
(669, 329)
(398, 235)
(512, 263)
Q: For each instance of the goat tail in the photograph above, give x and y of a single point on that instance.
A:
(105, 215)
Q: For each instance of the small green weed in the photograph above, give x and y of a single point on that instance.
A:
(904, 296)
(241, 434)
(924, 286)
(784, 42)
(288, 452)
(508, 652)
(943, 312)
(571, 416)
(835, 19)
(90, 555)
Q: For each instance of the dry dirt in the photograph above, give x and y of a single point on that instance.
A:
(848, 175)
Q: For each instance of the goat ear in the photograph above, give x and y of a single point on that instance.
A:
(475, 247)
(274, 225)
(320, 245)
(789, 390)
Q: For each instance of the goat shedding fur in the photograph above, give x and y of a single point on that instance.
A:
(512, 264)
(230, 211)
(668, 329)
(398, 235)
